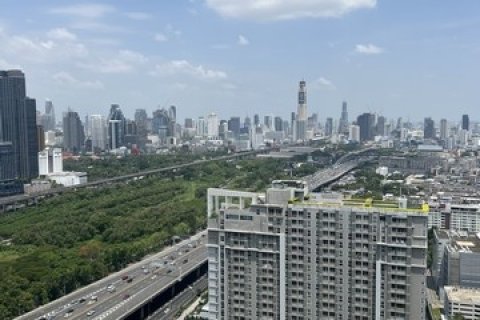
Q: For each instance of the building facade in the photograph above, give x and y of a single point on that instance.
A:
(295, 255)
(18, 123)
(301, 118)
(73, 132)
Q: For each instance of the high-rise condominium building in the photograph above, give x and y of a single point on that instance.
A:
(301, 119)
(18, 124)
(295, 255)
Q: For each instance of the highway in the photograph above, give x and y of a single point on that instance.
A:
(331, 174)
(177, 304)
(112, 296)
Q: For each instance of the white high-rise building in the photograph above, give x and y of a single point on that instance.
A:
(50, 160)
(291, 254)
(212, 125)
(98, 131)
(301, 120)
(354, 133)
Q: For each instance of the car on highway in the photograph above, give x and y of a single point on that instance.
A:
(111, 288)
(146, 271)
(68, 313)
(154, 277)
(125, 277)
(185, 261)
(129, 280)
(82, 300)
(125, 297)
(90, 313)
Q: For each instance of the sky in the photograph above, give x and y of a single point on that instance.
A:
(405, 58)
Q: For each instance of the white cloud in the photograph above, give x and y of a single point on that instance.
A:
(140, 16)
(243, 41)
(169, 29)
(124, 61)
(268, 10)
(368, 49)
(169, 33)
(38, 50)
(323, 83)
(65, 79)
(183, 67)
(160, 37)
(86, 10)
(97, 27)
(61, 34)
(132, 56)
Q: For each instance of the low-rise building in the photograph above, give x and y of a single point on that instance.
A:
(462, 301)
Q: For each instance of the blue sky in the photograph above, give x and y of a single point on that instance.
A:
(404, 58)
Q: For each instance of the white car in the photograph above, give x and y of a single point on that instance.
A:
(90, 313)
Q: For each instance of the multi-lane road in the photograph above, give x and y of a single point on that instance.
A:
(114, 296)
(184, 298)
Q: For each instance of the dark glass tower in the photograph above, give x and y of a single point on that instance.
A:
(18, 123)
(116, 127)
(465, 122)
(73, 133)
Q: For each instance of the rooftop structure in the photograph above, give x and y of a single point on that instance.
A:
(462, 301)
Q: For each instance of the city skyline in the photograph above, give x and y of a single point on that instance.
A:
(88, 56)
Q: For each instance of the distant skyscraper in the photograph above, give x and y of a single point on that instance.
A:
(465, 122)
(116, 127)
(329, 127)
(278, 124)
(161, 124)
(172, 113)
(312, 122)
(98, 128)
(380, 129)
(302, 112)
(201, 127)
(256, 120)
(188, 123)
(443, 129)
(428, 129)
(73, 132)
(212, 125)
(48, 122)
(233, 125)
(247, 123)
(18, 124)
(366, 122)
(268, 122)
(354, 133)
(343, 124)
(141, 121)
(32, 136)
